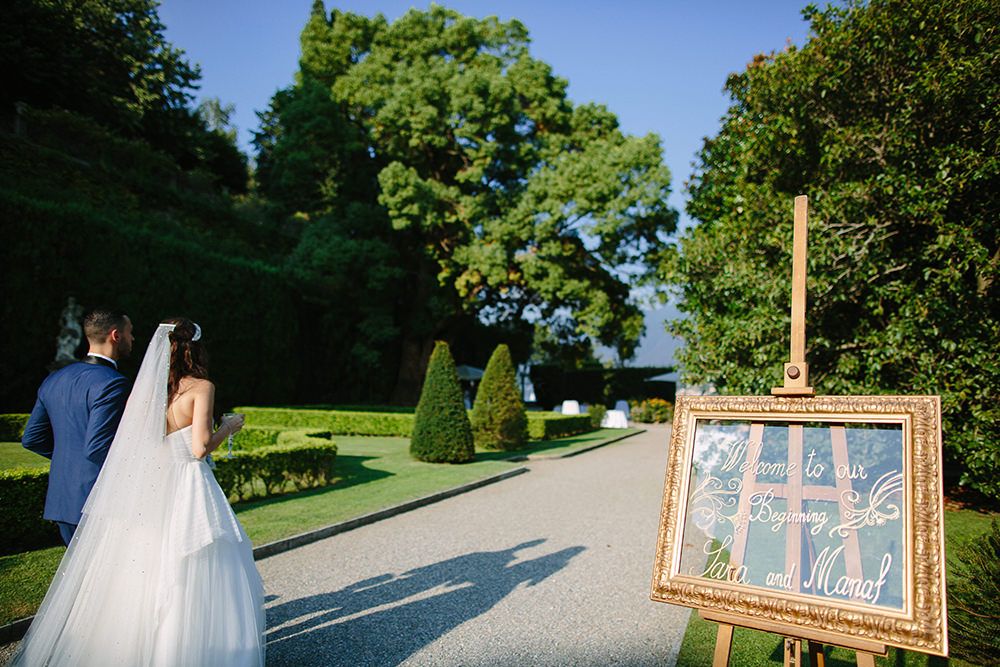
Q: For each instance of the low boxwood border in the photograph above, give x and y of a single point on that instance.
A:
(541, 425)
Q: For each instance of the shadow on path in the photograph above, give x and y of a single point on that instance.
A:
(375, 621)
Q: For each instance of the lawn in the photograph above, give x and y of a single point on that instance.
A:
(752, 648)
(373, 473)
(13, 455)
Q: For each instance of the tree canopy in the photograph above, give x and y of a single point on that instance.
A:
(499, 198)
(109, 60)
(887, 118)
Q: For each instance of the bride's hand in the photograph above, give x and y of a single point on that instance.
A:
(234, 423)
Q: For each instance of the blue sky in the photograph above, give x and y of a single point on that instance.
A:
(660, 66)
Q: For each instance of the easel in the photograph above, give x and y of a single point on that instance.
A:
(796, 383)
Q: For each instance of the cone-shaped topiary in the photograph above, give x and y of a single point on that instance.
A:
(441, 431)
(498, 418)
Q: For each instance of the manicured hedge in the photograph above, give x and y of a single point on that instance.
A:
(498, 417)
(441, 429)
(269, 471)
(12, 426)
(550, 425)
(541, 425)
(336, 421)
(22, 497)
(301, 460)
(254, 437)
(50, 250)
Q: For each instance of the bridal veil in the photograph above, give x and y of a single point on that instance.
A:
(140, 581)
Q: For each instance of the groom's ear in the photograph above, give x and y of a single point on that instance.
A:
(115, 335)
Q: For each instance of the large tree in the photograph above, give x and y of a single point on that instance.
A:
(500, 198)
(109, 60)
(889, 119)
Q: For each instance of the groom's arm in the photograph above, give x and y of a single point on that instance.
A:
(37, 435)
(105, 414)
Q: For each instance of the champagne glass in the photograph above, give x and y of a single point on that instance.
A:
(225, 417)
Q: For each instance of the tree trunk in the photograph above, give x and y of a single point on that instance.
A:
(415, 354)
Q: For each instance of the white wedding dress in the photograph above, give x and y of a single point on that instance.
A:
(160, 572)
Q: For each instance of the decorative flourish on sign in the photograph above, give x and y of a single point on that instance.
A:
(711, 498)
(887, 486)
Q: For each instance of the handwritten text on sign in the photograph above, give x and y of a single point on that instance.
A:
(807, 508)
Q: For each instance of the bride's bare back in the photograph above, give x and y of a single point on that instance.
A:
(193, 406)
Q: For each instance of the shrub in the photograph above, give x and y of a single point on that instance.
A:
(441, 429)
(652, 411)
(255, 437)
(303, 462)
(974, 598)
(551, 425)
(22, 497)
(336, 421)
(498, 418)
(12, 426)
(596, 414)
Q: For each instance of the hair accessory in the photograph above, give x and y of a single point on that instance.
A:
(197, 332)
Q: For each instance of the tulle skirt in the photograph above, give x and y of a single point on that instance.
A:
(169, 584)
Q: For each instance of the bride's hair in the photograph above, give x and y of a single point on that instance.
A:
(188, 357)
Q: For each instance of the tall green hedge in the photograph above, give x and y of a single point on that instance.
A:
(118, 224)
(441, 429)
(498, 418)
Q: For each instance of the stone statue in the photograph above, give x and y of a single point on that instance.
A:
(70, 334)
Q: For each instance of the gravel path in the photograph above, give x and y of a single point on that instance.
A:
(548, 568)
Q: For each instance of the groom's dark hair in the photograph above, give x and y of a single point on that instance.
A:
(99, 322)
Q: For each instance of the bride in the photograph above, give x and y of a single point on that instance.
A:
(160, 572)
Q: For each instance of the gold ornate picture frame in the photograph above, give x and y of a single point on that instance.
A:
(813, 517)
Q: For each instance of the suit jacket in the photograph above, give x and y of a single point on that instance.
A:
(73, 423)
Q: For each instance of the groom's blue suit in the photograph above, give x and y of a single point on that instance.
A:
(73, 423)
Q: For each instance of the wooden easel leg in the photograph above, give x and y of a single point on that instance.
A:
(723, 645)
(816, 656)
(865, 659)
(793, 652)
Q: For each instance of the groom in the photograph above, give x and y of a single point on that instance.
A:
(76, 416)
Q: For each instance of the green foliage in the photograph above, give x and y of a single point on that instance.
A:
(105, 58)
(336, 421)
(22, 497)
(64, 236)
(552, 425)
(498, 417)
(467, 163)
(441, 429)
(651, 411)
(12, 426)
(255, 437)
(974, 598)
(390, 421)
(108, 60)
(887, 119)
(596, 413)
(303, 462)
(300, 460)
